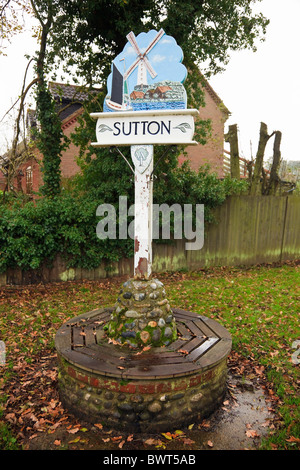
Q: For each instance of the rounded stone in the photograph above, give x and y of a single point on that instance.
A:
(137, 399)
(132, 314)
(154, 295)
(156, 335)
(197, 397)
(169, 318)
(162, 302)
(144, 416)
(153, 285)
(154, 407)
(145, 336)
(139, 285)
(168, 332)
(139, 407)
(131, 417)
(161, 322)
(127, 295)
(177, 396)
(128, 334)
(125, 407)
(140, 297)
(153, 324)
(142, 324)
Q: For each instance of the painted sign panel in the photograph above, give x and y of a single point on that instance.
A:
(145, 127)
(147, 75)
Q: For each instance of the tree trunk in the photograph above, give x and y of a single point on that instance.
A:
(256, 187)
(232, 138)
(274, 178)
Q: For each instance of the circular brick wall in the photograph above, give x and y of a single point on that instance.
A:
(155, 390)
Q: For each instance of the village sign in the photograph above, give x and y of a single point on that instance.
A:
(146, 104)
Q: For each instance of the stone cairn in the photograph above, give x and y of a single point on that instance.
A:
(142, 315)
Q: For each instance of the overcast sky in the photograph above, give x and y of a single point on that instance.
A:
(260, 86)
(265, 85)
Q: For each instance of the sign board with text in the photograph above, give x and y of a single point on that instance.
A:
(145, 127)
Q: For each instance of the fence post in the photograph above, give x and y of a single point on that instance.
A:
(284, 227)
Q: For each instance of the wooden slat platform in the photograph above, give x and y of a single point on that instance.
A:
(201, 343)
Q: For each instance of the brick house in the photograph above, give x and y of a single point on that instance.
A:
(212, 153)
(70, 99)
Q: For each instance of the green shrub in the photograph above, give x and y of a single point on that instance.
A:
(33, 233)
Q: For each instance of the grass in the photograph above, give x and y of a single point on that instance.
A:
(260, 306)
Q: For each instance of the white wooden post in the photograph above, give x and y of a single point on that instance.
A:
(142, 157)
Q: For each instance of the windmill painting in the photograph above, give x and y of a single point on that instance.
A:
(147, 75)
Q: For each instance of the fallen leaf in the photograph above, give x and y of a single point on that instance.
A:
(77, 439)
(152, 442)
(99, 426)
(121, 444)
(259, 370)
(293, 439)
(204, 424)
(251, 433)
(130, 438)
(167, 435)
(57, 442)
(11, 417)
(187, 441)
(73, 431)
(210, 444)
(113, 341)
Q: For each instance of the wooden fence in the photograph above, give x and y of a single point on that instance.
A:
(248, 231)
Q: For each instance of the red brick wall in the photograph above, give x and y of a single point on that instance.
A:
(68, 165)
(2, 181)
(212, 152)
(36, 176)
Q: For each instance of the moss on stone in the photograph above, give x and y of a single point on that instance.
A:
(139, 303)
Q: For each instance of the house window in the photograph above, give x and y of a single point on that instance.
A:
(29, 180)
